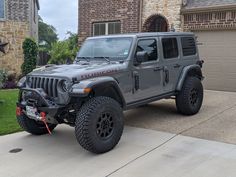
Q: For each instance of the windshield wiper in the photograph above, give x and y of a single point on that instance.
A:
(84, 58)
(105, 58)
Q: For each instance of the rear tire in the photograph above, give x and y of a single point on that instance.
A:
(189, 99)
(33, 127)
(99, 124)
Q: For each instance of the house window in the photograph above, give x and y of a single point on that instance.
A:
(106, 28)
(170, 48)
(188, 46)
(2, 9)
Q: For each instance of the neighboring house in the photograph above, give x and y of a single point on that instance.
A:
(213, 21)
(18, 20)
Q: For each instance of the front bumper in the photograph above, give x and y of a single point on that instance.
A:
(36, 98)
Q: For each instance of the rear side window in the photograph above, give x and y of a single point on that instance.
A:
(188, 46)
(170, 48)
(150, 46)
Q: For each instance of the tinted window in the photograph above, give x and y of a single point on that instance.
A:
(188, 46)
(170, 48)
(150, 46)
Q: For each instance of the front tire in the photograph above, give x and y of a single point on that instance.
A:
(33, 127)
(189, 99)
(99, 124)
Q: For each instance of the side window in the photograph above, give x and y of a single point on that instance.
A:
(170, 48)
(188, 46)
(150, 46)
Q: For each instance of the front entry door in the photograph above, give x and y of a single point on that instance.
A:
(147, 77)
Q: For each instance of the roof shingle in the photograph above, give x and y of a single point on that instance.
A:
(208, 3)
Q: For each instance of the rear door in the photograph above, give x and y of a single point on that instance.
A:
(171, 62)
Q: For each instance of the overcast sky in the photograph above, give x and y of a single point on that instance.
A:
(62, 14)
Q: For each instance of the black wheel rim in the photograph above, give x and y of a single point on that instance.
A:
(105, 125)
(193, 97)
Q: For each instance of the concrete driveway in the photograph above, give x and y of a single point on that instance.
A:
(216, 120)
(165, 151)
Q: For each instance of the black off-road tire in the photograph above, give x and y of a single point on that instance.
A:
(99, 124)
(189, 99)
(33, 127)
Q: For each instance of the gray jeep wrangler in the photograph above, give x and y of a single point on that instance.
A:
(111, 74)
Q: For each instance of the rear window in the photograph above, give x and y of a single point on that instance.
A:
(188, 46)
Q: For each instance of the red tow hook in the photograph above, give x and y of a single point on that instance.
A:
(43, 119)
(18, 111)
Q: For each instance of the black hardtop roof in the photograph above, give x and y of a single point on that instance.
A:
(148, 34)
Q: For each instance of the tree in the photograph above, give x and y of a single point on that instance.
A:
(30, 50)
(64, 51)
(60, 52)
(73, 43)
(47, 35)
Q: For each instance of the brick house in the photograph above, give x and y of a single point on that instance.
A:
(18, 20)
(213, 21)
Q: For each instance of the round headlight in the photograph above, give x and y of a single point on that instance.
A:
(65, 86)
(21, 82)
(29, 81)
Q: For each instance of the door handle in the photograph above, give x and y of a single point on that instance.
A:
(167, 76)
(158, 68)
(177, 66)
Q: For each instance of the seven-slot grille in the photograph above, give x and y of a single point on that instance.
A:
(49, 85)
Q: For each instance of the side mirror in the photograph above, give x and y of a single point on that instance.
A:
(141, 57)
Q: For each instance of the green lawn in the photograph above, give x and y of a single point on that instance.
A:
(8, 123)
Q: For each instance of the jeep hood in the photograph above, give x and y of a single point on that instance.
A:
(78, 71)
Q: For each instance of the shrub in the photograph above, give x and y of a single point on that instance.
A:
(3, 77)
(10, 82)
(30, 49)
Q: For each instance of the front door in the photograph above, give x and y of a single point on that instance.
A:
(147, 76)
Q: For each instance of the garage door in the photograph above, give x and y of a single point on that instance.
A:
(218, 49)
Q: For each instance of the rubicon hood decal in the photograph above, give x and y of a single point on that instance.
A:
(100, 73)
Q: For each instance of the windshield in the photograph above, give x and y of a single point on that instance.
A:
(106, 48)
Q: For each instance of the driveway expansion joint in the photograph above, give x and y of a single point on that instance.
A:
(139, 157)
(210, 118)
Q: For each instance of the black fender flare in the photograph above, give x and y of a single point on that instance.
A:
(95, 84)
(191, 70)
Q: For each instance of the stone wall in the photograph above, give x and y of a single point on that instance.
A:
(210, 20)
(90, 11)
(170, 9)
(14, 33)
(18, 24)
(18, 10)
(33, 18)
